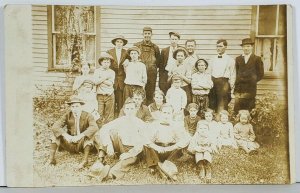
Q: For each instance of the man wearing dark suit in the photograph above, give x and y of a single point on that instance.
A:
(249, 70)
(167, 57)
(120, 55)
(78, 135)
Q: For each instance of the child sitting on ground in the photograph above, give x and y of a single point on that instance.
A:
(155, 108)
(191, 120)
(214, 129)
(226, 137)
(202, 146)
(176, 97)
(244, 134)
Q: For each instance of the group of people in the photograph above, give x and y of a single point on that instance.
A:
(160, 124)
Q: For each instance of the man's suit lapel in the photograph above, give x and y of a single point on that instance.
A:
(123, 56)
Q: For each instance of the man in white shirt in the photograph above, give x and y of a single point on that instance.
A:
(190, 46)
(124, 137)
(222, 70)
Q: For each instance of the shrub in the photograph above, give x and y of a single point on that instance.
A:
(50, 104)
(269, 118)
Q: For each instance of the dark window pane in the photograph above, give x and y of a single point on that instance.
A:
(267, 19)
(282, 20)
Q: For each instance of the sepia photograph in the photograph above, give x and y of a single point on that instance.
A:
(133, 95)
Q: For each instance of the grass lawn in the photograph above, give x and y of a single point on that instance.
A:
(269, 166)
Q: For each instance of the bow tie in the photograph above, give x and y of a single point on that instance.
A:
(219, 56)
(164, 123)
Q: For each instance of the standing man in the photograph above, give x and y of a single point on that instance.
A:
(222, 70)
(190, 46)
(167, 59)
(119, 55)
(249, 70)
(150, 56)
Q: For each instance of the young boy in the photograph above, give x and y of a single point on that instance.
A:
(176, 97)
(136, 73)
(191, 120)
(81, 128)
(125, 137)
(201, 85)
(104, 79)
(155, 108)
(142, 110)
(120, 55)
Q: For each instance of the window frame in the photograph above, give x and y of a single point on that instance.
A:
(52, 39)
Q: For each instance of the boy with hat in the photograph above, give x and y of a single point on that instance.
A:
(249, 70)
(167, 60)
(79, 134)
(166, 140)
(124, 137)
(120, 55)
(191, 120)
(176, 97)
(150, 56)
(136, 73)
(104, 80)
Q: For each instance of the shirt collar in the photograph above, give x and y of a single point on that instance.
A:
(247, 55)
(148, 44)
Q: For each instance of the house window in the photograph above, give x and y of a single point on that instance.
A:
(271, 37)
(73, 36)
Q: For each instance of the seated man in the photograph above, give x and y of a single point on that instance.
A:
(166, 141)
(79, 134)
(123, 136)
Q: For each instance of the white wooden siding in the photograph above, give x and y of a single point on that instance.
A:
(205, 24)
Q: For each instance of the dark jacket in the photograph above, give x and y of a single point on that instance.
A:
(163, 74)
(247, 75)
(119, 70)
(87, 125)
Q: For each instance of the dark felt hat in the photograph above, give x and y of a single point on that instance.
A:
(113, 41)
(247, 41)
(175, 34)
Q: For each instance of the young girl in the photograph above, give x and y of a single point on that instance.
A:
(181, 69)
(244, 134)
(155, 108)
(226, 131)
(136, 73)
(201, 84)
(85, 74)
(191, 120)
(214, 129)
(202, 146)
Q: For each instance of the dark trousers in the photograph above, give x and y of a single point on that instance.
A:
(202, 101)
(219, 96)
(106, 108)
(188, 91)
(243, 104)
(163, 83)
(153, 157)
(119, 100)
(151, 84)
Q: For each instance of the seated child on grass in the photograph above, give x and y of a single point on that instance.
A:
(214, 130)
(191, 120)
(155, 108)
(226, 137)
(201, 145)
(244, 134)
